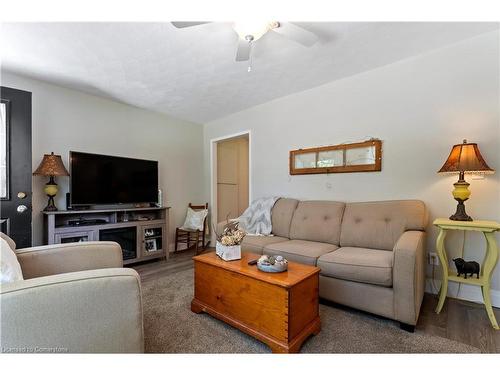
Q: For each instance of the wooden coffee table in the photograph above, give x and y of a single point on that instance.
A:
(279, 309)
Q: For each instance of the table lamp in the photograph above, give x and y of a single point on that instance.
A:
(52, 166)
(464, 158)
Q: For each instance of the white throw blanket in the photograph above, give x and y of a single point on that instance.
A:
(256, 220)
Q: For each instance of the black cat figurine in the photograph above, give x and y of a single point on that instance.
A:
(465, 268)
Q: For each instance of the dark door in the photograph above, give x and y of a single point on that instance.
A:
(15, 165)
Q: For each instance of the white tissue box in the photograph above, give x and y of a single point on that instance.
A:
(228, 252)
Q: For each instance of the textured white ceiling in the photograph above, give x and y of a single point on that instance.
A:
(191, 73)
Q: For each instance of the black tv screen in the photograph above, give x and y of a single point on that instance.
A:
(101, 179)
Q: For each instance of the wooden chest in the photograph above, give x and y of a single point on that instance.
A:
(279, 309)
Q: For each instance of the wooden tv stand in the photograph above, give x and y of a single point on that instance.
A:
(142, 232)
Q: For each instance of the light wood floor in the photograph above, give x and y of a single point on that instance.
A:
(462, 321)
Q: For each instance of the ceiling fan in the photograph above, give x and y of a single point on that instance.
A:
(250, 32)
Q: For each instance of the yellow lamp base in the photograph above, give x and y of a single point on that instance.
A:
(461, 193)
(51, 190)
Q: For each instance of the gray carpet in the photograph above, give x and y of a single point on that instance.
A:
(171, 327)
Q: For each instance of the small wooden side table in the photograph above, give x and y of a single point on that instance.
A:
(489, 263)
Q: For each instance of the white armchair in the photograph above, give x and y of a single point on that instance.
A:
(74, 298)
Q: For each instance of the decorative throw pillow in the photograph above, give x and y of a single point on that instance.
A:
(195, 219)
(10, 269)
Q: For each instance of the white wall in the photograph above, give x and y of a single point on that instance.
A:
(65, 120)
(419, 107)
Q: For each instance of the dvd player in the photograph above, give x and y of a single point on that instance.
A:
(81, 222)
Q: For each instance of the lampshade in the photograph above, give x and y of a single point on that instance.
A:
(465, 158)
(51, 165)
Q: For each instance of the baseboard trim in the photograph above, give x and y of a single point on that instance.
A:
(467, 292)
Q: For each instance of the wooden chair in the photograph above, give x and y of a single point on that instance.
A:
(193, 238)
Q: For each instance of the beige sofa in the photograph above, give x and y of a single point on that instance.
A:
(371, 254)
(75, 298)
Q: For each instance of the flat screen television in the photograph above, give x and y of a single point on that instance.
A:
(111, 180)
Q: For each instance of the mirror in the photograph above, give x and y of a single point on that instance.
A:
(353, 157)
(360, 156)
(333, 158)
(305, 161)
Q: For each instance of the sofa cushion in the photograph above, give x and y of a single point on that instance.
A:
(255, 244)
(317, 221)
(358, 264)
(281, 216)
(378, 225)
(305, 252)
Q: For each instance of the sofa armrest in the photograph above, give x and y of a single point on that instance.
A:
(88, 311)
(409, 276)
(71, 257)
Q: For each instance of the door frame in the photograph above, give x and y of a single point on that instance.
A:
(213, 172)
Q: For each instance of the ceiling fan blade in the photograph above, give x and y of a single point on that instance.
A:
(183, 24)
(243, 51)
(296, 33)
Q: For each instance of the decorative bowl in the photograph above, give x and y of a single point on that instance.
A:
(272, 267)
(272, 264)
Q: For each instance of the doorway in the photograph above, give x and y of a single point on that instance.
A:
(230, 176)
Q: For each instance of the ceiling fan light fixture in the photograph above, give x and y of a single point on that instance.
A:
(253, 30)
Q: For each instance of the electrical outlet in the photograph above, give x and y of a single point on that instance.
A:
(433, 259)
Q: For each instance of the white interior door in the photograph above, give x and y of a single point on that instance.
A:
(232, 178)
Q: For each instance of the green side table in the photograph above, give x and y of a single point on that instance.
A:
(489, 263)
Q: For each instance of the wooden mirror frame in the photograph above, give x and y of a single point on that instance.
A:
(375, 167)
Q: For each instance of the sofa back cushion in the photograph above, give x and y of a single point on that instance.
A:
(317, 221)
(378, 225)
(281, 216)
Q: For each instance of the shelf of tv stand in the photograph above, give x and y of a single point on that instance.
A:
(110, 223)
(58, 230)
